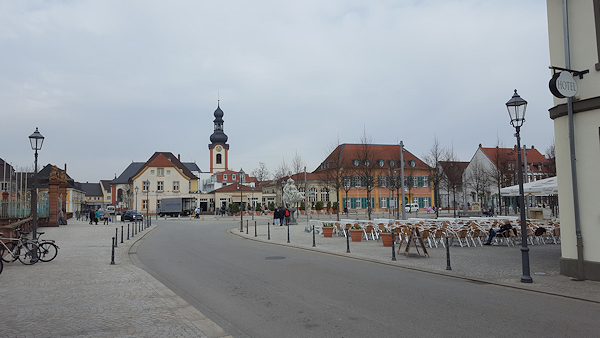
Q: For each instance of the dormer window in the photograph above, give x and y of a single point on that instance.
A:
(356, 163)
(381, 163)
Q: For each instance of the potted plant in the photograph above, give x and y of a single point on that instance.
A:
(386, 237)
(356, 233)
(319, 207)
(327, 229)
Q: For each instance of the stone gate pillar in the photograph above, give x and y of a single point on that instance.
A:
(56, 186)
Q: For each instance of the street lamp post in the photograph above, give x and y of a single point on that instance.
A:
(402, 180)
(147, 201)
(516, 109)
(36, 140)
(136, 192)
(241, 173)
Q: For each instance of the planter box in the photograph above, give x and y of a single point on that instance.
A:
(327, 231)
(356, 235)
(386, 238)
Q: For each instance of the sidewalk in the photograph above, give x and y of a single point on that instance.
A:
(80, 294)
(500, 265)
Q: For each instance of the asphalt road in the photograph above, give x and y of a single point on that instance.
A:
(253, 289)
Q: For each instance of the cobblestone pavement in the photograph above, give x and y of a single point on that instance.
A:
(80, 294)
(496, 264)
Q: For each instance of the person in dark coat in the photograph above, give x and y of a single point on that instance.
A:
(281, 215)
(276, 217)
(92, 215)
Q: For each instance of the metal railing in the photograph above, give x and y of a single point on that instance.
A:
(21, 209)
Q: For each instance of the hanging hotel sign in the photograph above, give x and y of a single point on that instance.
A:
(563, 85)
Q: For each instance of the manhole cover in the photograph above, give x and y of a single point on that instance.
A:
(274, 257)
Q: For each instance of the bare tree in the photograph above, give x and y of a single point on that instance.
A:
(433, 157)
(452, 176)
(499, 173)
(551, 157)
(282, 171)
(366, 168)
(478, 179)
(332, 172)
(261, 173)
(298, 165)
(409, 184)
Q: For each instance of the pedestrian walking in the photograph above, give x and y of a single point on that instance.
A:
(287, 216)
(61, 218)
(106, 216)
(276, 217)
(281, 215)
(92, 214)
(96, 216)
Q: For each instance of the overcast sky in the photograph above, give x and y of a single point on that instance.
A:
(111, 82)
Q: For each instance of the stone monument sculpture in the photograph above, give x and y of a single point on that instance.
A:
(291, 195)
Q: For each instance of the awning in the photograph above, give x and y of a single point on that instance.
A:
(544, 187)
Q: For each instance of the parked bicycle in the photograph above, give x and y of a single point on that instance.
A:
(48, 248)
(20, 248)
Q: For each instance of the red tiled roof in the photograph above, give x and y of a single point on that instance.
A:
(533, 155)
(235, 187)
(166, 159)
(346, 153)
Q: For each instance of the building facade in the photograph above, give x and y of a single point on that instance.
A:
(578, 187)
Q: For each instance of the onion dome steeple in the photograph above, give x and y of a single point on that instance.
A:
(218, 135)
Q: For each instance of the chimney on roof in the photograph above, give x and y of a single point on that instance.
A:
(479, 145)
(179, 157)
(532, 147)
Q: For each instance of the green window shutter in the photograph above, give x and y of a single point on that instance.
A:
(353, 202)
(420, 181)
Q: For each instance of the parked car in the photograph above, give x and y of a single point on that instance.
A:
(131, 215)
(110, 209)
(410, 207)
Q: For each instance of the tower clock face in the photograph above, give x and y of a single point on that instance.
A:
(219, 148)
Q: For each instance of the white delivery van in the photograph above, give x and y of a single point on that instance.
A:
(410, 207)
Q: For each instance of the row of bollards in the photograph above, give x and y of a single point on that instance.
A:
(347, 235)
(133, 228)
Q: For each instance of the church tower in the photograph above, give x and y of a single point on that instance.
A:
(218, 146)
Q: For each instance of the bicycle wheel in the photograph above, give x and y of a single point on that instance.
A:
(26, 253)
(6, 256)
(47, 252)
(1, 266)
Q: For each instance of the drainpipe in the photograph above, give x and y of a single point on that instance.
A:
(580, 271)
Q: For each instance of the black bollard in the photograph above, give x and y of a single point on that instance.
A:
(393, 247)
(269, 230)
(132, 229)
(255, 229)
(127, 231)
(246, 227)
(447, 255)
(112, 259)
(313, 231)
(116, 236)
(121, 234)
(241, 226)
(287, 222)
(347, 232)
